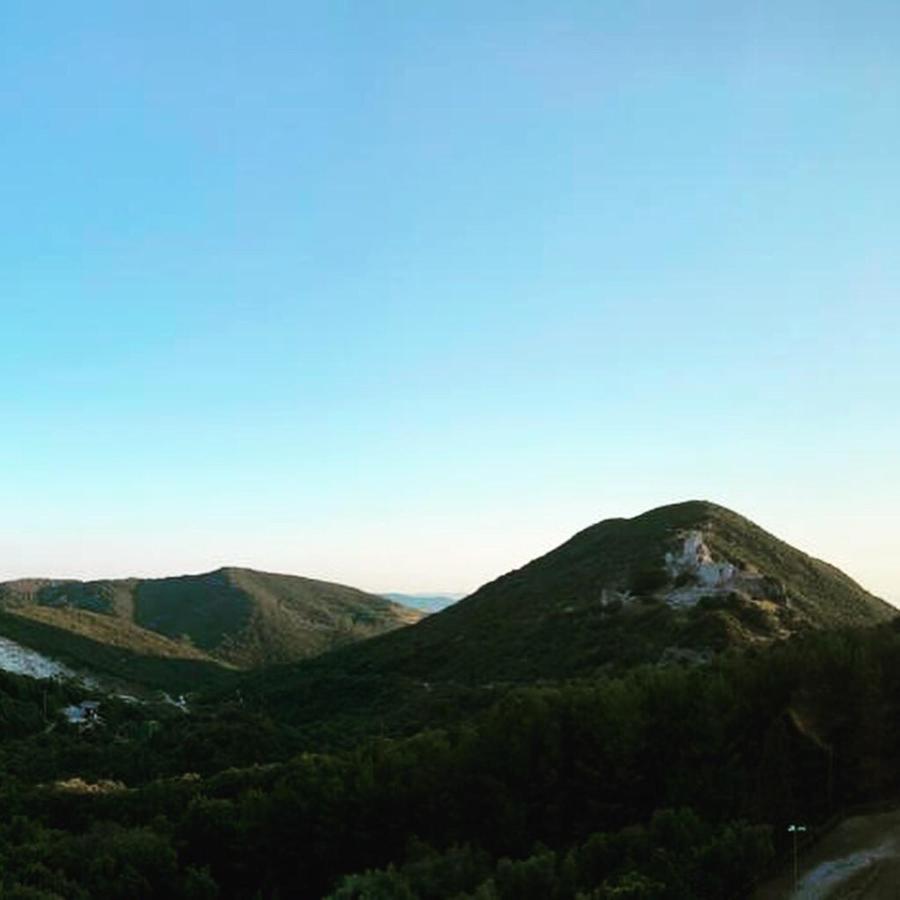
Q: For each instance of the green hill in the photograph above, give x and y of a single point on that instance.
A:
(678, 583)
(623, 591)
(224, 619)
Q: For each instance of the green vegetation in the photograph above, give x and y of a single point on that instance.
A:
(557, 617)
(548, 620)
(823, 596)
(113, 649)
(669, 783)
(525, 743)
(187, 631)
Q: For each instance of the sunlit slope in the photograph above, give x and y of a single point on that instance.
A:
(234, 617)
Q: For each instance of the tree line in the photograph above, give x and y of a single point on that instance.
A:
(665, 782)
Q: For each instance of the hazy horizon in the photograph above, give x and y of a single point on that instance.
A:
(404, 295)
(839, 555)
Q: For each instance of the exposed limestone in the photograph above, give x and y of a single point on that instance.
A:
(696, 560)
(697, 575)
(24, 661)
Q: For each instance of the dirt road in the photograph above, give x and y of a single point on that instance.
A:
(858, 860)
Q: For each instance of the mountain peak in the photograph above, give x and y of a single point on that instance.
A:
(688, 512)
(680, 581)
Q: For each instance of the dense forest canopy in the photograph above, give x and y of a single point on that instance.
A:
(663, 782)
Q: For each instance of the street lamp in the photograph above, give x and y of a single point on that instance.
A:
(795, 830)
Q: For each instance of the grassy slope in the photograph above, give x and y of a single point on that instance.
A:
(84, 641)
(822, 594)
(235, 617)
(252, 618)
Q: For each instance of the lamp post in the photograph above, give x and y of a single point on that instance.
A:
(795, 830)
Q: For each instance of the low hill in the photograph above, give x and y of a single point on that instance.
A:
(224, 619)
(678, 583)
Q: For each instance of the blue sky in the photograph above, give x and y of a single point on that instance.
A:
(403, 294)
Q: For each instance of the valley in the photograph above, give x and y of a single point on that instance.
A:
(429, 603)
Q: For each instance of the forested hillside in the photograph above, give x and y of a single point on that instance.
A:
(677, 584)
(190, 630)
(662, 783)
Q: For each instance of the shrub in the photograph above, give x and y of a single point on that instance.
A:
(648, 580)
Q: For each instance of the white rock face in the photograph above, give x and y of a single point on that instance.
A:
(22, 661)
(686, 596)
(695, 559)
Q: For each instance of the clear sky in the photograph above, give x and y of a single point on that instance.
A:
(402, 294)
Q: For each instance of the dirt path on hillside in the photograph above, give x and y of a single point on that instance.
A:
(858, 860)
